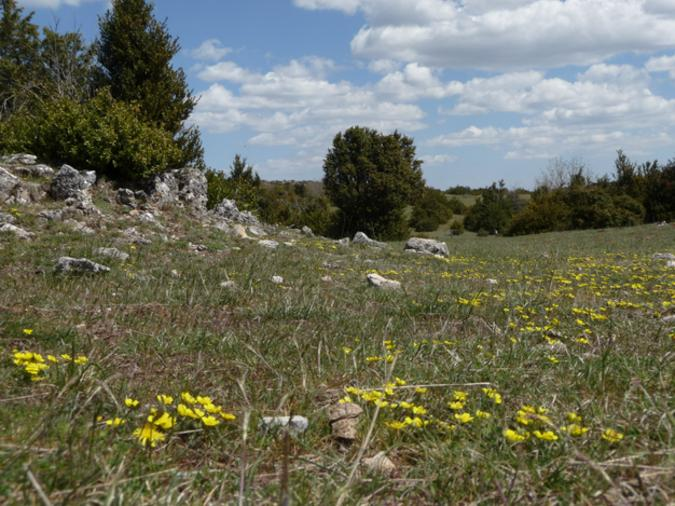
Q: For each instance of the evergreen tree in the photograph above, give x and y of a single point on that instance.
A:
(134, 56)
(371, 177)
(19, 58)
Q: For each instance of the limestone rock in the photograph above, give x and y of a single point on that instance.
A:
(185, 187)
(296, 424)
(77, 226)
(228, 284)
(269, 244)
(113, 253)
(126, 197)
(381, 464)
(429, 246)
(663, 256)
(39, 170)
(277, 280)
(344, 419)
(381, 282)
(307, 231)
(229, 211)
(6, 218)
(15, 191)
(361, 238)
(256, 231)
(69, 183)
(20, 159)
(239, 231)
(19, 232)
(344, 241)
(79, 266)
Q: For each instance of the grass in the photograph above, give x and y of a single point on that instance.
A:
(573, 325)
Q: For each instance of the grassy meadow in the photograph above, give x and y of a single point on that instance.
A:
(528, 370)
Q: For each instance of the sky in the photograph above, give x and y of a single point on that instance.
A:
(488, 89)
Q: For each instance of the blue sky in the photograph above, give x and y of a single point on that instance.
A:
(489, 89)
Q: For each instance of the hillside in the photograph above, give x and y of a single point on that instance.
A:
(532, 369)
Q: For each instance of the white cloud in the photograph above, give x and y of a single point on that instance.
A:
(512, 34)
(210, 50)
(295, 105)
(442, 159)
(53, 4)
(414, 82)
(662, 64)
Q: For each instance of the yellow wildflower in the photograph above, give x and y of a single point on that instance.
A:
(115, 422)
(210, 421)
(482, 414)
(548, 435)
(463, 417)
(131, 403)
(456, 405)
(186, 412)
(515, 436)
(573, 417)
(227, 416)
(165, 421)
(575, 430)
(27, 332)
(396, 425)
(187, 397)
(149, 434)
(612, 436)
(81, 360)
(165, 399)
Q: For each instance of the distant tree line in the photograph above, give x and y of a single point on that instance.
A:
(569, 199)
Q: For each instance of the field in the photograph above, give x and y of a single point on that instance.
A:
(518, 370)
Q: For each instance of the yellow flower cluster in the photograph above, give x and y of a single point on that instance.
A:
(155, 426)
(35, 365)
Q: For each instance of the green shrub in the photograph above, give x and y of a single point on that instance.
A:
(432, 210)
(102, 135)
(457, 227)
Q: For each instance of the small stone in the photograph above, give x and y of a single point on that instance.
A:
(126, 197)
(663, 256)
(113, 253)
(343, 410)
(344, 241)
(668, 319)
(492, 282)
(256, 231)
(307, 231)
(345, 429)
(79, 266)
(380, 464)
(326, 279)
(670, 264)
(174, 274)
(269, 244)
(19, 232)
(381, 282)
(228, 284)
(277, 280)
(77, 226)
(6, 218)
(296, 424)
(197, 247)
(19, 158)
(239, 231)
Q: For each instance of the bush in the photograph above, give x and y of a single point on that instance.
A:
(492, 211)
(457, 227)
(241, 185)
(102, 135)
(290, 204)
(370, 177)
(432, 210)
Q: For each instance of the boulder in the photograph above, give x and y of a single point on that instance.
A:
(184, 187)
(68, 265)
(428, 246)
(307, 231)
(228, 210)
(361, 238)
(8, 228)
(38, 170)
(69, 183)
(256, 231)
(344, 419)
(381, 282)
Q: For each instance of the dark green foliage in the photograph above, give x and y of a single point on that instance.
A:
(457, 227)
(242, 185)
(659, 200)
(492, 212)
(290, 204)
(134, 56)
(579, 204)
(457, 206)
(432, 210)
(370, 177)
(101, 134)
(19, 59)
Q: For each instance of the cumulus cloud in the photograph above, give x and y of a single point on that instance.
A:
(507, 35)
(210, 50)
(662, 64)
(606, 106)
(295, 104)
(52, 4)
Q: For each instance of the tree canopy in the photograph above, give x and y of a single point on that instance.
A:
(370, 177)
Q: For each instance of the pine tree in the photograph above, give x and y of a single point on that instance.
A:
(19, 58)
(134, 56)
